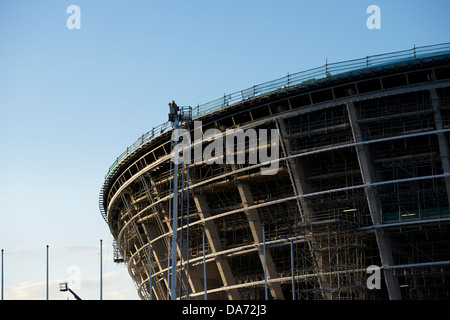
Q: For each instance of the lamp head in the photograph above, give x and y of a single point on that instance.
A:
(63, 287)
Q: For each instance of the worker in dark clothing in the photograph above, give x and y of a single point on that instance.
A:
(173, 111)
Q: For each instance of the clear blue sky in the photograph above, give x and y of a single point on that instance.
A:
(71, 101)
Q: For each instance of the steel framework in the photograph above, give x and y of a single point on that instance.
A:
(363, 179)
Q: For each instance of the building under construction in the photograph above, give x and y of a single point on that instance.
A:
(363, 180)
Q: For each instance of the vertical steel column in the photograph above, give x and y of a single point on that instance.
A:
(169, 216)
(384, 244)
(187, 230)
(204, 267)
(294, 187)
(256, 230)
(265, 263)
(212, 235)
(294, 294)
(158, 249)
(442, 139)
(150, 289)
(301, 187)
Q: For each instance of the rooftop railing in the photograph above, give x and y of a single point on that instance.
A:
(296, 79)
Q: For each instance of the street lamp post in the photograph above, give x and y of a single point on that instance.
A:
(2, 274)
(47, 277)
(101, 269)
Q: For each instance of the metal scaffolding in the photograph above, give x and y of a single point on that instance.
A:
(363, 179)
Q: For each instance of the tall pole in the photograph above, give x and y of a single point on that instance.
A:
(2, 274)
(150, 289)
(47, 275)
(187, 231)
(101, 269)
(173, 291)
(294, 294)
(204, 267)
(265, 264)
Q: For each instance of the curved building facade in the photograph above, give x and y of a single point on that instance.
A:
(358, 207)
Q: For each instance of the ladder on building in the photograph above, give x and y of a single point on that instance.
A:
(181, 118)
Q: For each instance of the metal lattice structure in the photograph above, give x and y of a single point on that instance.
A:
(363, 179)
